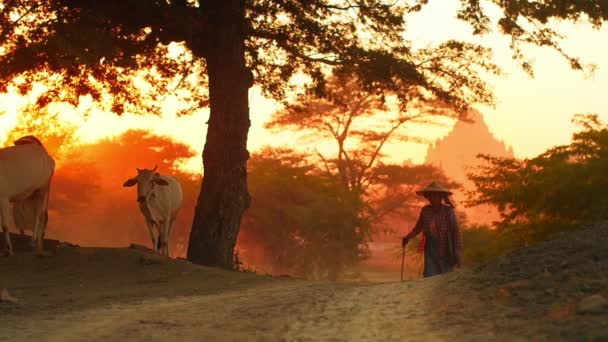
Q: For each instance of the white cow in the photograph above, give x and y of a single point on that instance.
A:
(26, 170)
(160, 199)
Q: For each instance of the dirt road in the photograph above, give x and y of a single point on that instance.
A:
(123, 294)
(288, 310)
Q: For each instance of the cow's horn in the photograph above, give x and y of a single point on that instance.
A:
(155, 167)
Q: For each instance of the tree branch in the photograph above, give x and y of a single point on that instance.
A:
(282, 41)
(324, 162)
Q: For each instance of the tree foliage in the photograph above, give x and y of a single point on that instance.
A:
(562, 186)
(301, 219)
(484, 243)
(99, 50)
(360, 125)
(141, 50)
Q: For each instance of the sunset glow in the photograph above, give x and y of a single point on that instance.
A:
(304, 170)
(531, 114)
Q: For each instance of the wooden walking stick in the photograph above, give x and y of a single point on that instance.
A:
(402, 260)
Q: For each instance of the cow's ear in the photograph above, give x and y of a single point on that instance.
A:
(130, 182)
(160, 181)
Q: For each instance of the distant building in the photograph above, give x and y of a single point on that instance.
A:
(456, 155)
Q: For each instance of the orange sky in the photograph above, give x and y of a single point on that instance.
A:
(531, 114)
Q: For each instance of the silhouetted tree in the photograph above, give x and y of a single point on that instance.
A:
(301, 219)
(361, 124)
(556, 190)
(126, 48)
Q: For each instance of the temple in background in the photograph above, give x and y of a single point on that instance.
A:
(456, 155)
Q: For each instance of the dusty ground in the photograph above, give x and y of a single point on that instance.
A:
(128, 294)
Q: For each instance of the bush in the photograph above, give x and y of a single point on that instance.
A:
(558, 190)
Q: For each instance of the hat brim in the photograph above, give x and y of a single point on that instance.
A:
(426, 192)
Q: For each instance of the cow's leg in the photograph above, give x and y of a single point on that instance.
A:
(43, 219)
(45, 222)
(169, 231)
(23, 212)
(162, 237)
(33, 238)
(41, 222)
(17, 219)
(150, 225)
(38, 203)
(4, 210)
(159, 241)
(42, 207)
(35, 231)
(21, 229)
(29, 207)
(20, 213)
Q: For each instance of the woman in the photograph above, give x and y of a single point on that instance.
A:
(441, 235)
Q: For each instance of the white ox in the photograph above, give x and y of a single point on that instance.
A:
(160, 199)
(26, 170)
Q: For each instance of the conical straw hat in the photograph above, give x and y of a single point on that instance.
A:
(433, 187)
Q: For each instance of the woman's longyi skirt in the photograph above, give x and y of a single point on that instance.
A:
(433, 265)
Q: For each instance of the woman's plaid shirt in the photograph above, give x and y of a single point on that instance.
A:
(450, 244)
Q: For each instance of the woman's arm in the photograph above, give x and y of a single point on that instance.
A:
(417, 229)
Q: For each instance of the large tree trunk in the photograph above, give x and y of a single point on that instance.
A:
(224, 196)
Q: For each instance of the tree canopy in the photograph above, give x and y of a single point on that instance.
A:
(140, 50)
(563, 186)
(360, 125)
(301, 219)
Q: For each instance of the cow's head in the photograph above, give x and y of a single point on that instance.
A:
(146, 180)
